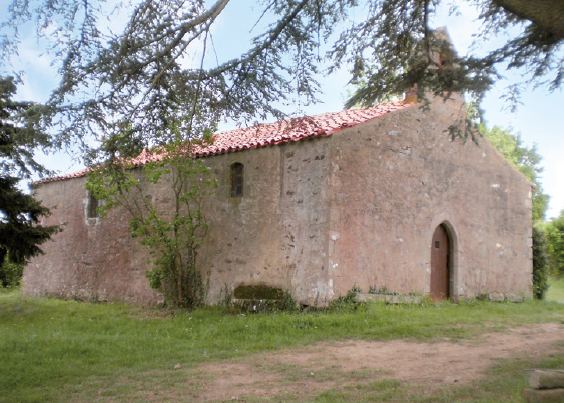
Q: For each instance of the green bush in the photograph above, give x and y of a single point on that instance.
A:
(555, 239)
(347, 303)
(10, 274)
(540, 263)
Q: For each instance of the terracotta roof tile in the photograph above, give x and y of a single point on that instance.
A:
(274, 133)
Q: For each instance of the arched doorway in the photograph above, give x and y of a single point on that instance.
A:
(440, 264)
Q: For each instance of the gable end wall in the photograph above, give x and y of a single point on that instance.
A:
(397, 178)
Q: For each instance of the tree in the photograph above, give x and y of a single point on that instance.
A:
(184, 119)
(171, 231)
(20, 231)
(10, 273)
(20, 214)
(540, 262)
(20, 134)
(112, 80)
(555, 235)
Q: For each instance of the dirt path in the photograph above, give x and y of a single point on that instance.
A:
(311, 370)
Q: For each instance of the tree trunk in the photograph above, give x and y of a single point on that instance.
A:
(179, 279)
(546, 14)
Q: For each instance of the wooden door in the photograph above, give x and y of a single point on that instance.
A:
(440, 249)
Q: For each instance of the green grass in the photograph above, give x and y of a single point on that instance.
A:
(556, 290)
(53, 350)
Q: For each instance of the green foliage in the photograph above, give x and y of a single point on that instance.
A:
(20, 216)
(382, 290)
(525, 159)
(394, 48)
(139, 73)
(21, 231)
(172, 231)
(555, 235)
(347, 303)
(10, 273)
(540, 262)
(20, 133)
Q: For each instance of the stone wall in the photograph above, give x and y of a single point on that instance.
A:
(320, 216)
(275, 234)
(92, 258)
(397, 178)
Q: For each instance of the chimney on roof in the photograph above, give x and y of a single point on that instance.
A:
(442, 51)
(411, 95)
(442, 55)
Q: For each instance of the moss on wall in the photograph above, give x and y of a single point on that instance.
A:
(258, 292)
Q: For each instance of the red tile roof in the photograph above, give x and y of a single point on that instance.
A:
(274, 133)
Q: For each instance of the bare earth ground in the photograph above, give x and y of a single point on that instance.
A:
(310, 370)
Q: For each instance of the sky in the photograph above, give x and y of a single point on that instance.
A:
(539, 120)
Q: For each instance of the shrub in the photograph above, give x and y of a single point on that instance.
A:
(540, 263)
(347, 303)
(10, 274)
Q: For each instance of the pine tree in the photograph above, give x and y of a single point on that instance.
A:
(111, 79)
(20, 232)
(20, 214)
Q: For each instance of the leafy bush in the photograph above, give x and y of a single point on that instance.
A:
(540, 263)
(555, 237)
(382, 290)
(10, 274)
(347, 303)
(172, 232)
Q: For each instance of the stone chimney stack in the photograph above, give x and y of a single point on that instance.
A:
(442, 56)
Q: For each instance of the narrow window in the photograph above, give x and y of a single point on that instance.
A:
(93, 204)
(237, 180)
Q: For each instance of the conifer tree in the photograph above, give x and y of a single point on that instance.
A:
(20, 214)
(123, 76)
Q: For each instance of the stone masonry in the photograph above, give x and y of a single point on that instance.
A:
(355, 207)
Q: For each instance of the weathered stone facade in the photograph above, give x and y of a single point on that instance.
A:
(321, 215)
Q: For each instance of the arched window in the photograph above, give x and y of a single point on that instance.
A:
(93, 204)
(237, 179)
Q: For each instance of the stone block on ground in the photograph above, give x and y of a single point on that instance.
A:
(496, 297)
(369, 297)
(546, 378)
(544, 396)
(514, 298)
(390, 299)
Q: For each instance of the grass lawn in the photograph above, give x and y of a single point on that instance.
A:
(53, 350)
(556, 291)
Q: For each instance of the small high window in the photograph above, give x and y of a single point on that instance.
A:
(237, 180)
(93, 204)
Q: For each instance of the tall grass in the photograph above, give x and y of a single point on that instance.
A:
(50, 349)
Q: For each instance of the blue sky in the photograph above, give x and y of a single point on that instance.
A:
(540, 119)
